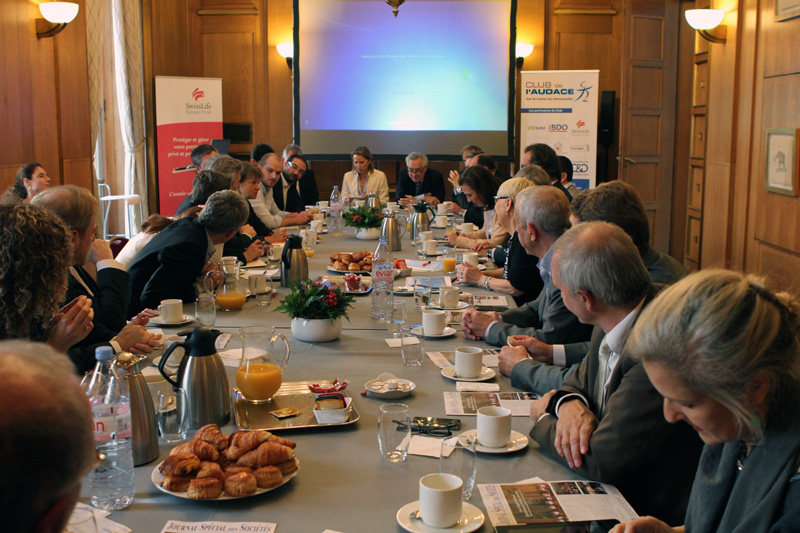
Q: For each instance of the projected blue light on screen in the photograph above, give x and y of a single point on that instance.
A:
(440, 66)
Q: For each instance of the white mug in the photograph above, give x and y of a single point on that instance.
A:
(171, 311)
(392, 206)
(440, 499)
(494, 426)
(360, 203)
(440, 220)
(433, 321)
(257, 284)
(467, 227)
(448, 297)
(322, 204)
(426, 235)
(275, 251)
(317, 225)
(319, 216)
(471, 258)
(469, 361)
(431, 246)
(441, 209)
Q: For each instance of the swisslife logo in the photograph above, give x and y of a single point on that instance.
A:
(198, 94)
(581, 123)
(198, 107)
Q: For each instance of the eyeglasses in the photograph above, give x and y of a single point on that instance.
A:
(436, 431)
(298, 169)
(497, 198)
(416, 170)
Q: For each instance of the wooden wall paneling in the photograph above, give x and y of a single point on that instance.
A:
(694, 228)
(782, 41)
(279, 85)
(696, 179)
(715, 248)
(170, 37)
(699, 135)
(701, 83)
(260, 78)
(779, 267)
(531, 28)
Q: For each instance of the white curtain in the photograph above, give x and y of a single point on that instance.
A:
(94, 51)
(127, 36)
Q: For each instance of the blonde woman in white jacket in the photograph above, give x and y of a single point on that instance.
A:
(364, 178)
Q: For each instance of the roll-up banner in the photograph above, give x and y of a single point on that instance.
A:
(559, 108)
(188, 113)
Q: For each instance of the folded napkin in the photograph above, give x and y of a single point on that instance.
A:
(395, 342)
(471, 386)
(427, 446)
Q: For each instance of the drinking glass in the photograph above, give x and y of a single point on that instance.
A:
(397, 318)
(393, 441)
(458, 457)
(205, 310)
(172, 415)
(419, 246)
(449, 260)
(260, 373)
(458, 219)
(265, 291)
(309, 242)
(413, 354)
(422, 293)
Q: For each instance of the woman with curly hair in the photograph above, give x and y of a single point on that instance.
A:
(31, 180)
(35, 253)
(724, 352)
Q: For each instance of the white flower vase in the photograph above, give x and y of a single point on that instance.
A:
(316, 329)
(368, 234)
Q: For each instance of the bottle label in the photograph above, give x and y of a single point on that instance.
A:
(383, 273)
(111, 422)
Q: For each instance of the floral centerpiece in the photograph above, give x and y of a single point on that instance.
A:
(316, 310)
(366, 220)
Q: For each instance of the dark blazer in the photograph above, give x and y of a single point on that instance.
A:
(432, 183)
(185, 204)
(306, 186)
(651, 461)
(168, 265)
(559, 186)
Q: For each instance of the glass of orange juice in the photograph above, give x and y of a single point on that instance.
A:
(449, 260)
(260, 373)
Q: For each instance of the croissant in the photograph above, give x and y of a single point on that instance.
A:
(204, 489)
(338, 265)
(280, 440)
(203, 450)
(268, 477)
(180, 464)
(268, 453)
(240, 484)
(242, 443)
(231, 470)
(176, 483)
(211, 470)
(211, 434)
(288, 467)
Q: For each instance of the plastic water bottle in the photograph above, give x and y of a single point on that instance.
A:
(335, 212)
(111, 484)
(382, 280)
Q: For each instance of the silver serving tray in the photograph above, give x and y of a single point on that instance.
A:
(338, 281)
(254, 415)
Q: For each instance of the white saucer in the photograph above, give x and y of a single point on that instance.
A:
(185, 319)
(403, 291)
(486, 373)
(518, 441)
(461, 305)
(471, 520)
(438, 227)
(378, 387)
(437, 254)
(448, 331)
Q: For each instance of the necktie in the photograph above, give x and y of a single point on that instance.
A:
(419, 188)
(603, 354)
(293, 202)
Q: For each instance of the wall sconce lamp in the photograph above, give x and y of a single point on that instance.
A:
(523, 51)
(286, 51)
(56, 17)
(707, 22)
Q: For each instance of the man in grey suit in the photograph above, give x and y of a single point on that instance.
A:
(542, 216)
(606, 422)
(539, 367)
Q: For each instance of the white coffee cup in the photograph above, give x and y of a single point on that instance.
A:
(433, 321)
(448, 297)
(469, 362)
(319, 217)
(426, 235)
(440, 499)
(467, 227)
(360, 203)
(393, 206)
(171, 311)
(317, 225)
(431, 246)
(276, 249)
(322, 204)
(441, 209)
(494, 426)
(471, 258)
(257, 284)
(440, 220)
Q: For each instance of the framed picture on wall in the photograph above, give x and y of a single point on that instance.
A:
(786, 9)
(782, 161)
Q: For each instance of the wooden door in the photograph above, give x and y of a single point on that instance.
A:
(647, 108)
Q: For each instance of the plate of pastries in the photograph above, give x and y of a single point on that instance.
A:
(356, 262)
(215, 466)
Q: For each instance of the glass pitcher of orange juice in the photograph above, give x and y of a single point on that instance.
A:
(231, 294)
(261, 369)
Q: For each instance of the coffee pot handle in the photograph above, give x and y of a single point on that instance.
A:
(164, 361)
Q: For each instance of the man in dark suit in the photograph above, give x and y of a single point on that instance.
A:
(606, 423)
(293, 193)
(418, 182)
(543, 155)
(169, 264)
(542, 216)
(108, 292)
(308, 181)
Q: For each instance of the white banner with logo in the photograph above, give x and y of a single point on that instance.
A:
(559, 108)
(188, 113)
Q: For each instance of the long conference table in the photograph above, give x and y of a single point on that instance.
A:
(343, 483)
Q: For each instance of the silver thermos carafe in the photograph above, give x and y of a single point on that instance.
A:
(373, 201)
(391, 230)
(419, 219)
(294, 263)
(202, 375)
(143, 414)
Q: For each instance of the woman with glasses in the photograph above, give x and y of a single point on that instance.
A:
(480, 187)
(724, 352)
(518, 276)
(364, 178)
